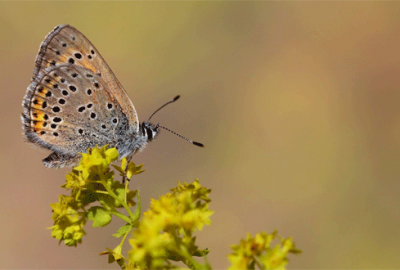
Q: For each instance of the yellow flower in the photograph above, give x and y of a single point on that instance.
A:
(257, 250)
(167, 227)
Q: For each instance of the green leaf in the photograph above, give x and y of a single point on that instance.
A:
(138, 209)
(99, 216)
(123, 230)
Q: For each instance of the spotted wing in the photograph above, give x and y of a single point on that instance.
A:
(65, 44)
(68, 109)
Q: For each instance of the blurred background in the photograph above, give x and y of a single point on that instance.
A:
(297, 103)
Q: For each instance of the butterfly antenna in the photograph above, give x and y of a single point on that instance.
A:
(175, 99)
(189, 140)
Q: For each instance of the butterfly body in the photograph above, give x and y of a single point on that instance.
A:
(75, 102)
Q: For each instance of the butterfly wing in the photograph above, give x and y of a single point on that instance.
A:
(65, 44)
(67, 109)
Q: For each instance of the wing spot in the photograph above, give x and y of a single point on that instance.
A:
(53, 63)
(62, 80)
(72, 88)
(44, 105)
(93, 115)
(64, 92)
(90, 105)
(53, 126)
(45, 117)
(89, 92)
(81, 109)
(58, 52)
(80, 131)
(57, 119)
(103, 126)
(92, 51)
(56, 109)
(74, 75)
(96, 85)
(78, 55)
(55, 85)
(44, 124)
(48, 94)
(40, 89)
(71, 61)
(61, 101)
(42, 132)
(47, 80)
(89, 75)
(109, 106)
(73, 37)
(89, 56)
(64, 44)
(115, 120)
(55, 134)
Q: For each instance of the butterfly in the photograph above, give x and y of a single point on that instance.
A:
(75, 102)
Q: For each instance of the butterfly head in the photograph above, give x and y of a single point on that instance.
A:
(149, 130)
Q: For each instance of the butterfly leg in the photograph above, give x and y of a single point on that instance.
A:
(58, 160)
(126, 169)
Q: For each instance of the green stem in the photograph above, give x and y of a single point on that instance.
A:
(121, 216)
(208, 265)
(259, 264)
(123, 239)
(112, 194)
(194, 264)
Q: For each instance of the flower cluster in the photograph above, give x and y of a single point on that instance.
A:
(257, 251)
(166, 231)
(92, 181)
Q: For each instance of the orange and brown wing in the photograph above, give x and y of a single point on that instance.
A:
(65, 44)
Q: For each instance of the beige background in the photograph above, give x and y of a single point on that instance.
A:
(298, 104)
